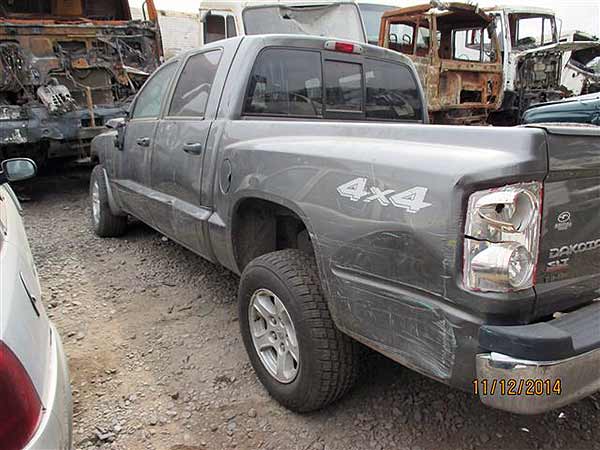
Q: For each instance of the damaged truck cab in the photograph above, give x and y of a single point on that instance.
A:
(457, 56)
(67, 68)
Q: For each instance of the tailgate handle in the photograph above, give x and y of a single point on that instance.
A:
(143, 142)
(194, 148)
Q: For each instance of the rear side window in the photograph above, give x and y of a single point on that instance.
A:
(392, 92)
(194, 85)
(286, 83)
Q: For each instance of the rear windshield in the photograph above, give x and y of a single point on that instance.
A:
(304, 84)
(337, 20)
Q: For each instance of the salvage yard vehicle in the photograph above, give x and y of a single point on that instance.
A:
(221, 19)
(581, 68)
(35, 395)
(457, 55)
(69, 66)
(306, 165)
(582, 109)
(532, 60)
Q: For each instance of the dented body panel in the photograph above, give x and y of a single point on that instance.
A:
(457, 55)
(382, 203)
(64, 75)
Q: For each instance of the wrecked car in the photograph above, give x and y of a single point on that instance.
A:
(305, 164)
(581, 68)
(532, 60)
(225, 19)
(581, 109)
(456, 52)
(67, 68)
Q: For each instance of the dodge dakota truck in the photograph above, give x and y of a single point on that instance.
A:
(306, 164)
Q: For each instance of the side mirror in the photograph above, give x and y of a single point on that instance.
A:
(17, 169)
(115, 123)
(119, 125)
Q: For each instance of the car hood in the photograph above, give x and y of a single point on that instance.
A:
(560, 46)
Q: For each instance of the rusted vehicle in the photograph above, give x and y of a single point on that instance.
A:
(456, 51)
(67, 67)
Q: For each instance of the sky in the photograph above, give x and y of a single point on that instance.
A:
(581, 15)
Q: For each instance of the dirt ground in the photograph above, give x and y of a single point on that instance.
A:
(156, 361)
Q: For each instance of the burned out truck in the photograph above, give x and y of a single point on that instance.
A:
(67, 67)
(457, 55)
(306, 164)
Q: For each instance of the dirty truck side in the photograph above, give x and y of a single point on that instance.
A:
(307, 166)
(67, 68)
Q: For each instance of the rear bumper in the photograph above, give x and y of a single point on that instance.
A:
(535, 368)
(533, 387)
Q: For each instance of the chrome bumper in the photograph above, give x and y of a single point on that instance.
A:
(577, 377)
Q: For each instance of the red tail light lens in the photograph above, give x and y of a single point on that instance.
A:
(20, 405)
(343, 47)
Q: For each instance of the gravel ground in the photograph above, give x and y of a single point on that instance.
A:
(156, 360)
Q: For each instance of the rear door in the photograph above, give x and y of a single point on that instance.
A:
(569, 263)
(180, 147)
(132, 170)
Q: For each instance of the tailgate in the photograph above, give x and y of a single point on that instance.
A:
(569, 263)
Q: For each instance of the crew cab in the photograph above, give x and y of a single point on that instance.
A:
(306, 164)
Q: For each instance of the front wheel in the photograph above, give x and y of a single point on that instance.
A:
(298, 354)
(104, 222)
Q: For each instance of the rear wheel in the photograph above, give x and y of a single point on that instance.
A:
(104, 222)
(298, 354)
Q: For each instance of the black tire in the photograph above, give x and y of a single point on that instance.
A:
(329, 360)
(106, 224)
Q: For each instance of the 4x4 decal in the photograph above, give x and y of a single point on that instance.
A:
(412, 200)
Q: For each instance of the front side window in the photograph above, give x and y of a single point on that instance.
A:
(150, 99)
(194, 85)
(533, 31)
(286, 82)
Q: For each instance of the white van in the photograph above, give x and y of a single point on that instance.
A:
(225, 19)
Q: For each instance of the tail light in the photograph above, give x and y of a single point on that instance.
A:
(343, 47)
(502, 238)
(20, 405)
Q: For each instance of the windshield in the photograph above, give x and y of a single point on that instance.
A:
(371, 15)
(341, 20)
(531, 31)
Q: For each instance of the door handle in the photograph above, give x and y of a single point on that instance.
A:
(193, 148)
(143, 142)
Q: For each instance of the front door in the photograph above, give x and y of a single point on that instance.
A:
(179, 152)
(132, 172)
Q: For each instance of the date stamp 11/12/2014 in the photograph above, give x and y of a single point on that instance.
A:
(514, 387)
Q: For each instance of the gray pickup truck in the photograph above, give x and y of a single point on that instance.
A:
(469, 254)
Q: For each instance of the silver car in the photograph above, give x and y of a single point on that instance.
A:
(35, 395)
